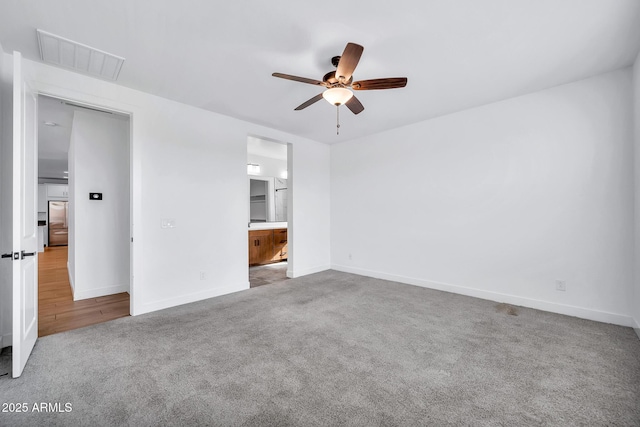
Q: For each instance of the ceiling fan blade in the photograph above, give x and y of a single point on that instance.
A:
(374, 84)
(299, 79)
(354, 105)
(309, 102)
(348, 61)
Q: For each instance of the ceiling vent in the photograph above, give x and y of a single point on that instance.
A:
(78, 57)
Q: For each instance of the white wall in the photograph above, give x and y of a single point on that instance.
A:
(6, 183)
(100, 235)
(499, 201)
(189, 164)
(71, 242)
(308, 197)
(636, 117)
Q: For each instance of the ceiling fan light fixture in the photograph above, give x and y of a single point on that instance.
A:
(337, 95)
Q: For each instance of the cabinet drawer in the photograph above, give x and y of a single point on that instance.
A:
(280, 235)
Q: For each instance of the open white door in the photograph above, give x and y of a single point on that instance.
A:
(25, 193)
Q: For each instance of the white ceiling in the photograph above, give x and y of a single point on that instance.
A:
(456, 54)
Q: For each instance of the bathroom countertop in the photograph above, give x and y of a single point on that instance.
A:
(267, 225)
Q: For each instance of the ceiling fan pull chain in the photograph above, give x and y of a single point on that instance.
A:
(337, 119)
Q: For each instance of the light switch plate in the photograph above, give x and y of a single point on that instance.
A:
(168, 223)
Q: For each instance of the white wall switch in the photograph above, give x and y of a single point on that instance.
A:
(168, 223)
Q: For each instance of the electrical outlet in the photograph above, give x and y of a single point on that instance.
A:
(203, 275)
(561, 285)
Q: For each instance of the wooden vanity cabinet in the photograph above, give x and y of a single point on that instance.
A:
(267, 246)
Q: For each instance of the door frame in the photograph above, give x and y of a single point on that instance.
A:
(290, 201)
(133, 206)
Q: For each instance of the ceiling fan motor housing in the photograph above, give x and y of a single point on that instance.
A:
(330, 78)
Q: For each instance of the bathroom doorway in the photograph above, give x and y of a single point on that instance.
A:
(268, 195)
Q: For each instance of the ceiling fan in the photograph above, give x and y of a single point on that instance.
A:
(339, 83)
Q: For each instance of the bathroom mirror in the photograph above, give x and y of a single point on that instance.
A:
(267, 199)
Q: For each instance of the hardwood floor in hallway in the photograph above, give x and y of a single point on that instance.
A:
(57, 311)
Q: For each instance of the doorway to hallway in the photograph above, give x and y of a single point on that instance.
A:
(83, 152)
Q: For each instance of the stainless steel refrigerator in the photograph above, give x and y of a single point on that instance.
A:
(58, 223)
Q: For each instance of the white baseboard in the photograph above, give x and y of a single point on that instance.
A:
(6, 340)
(637, 327)
(186, 299)
(100, 292)
(568, 310)
(73, 287)
(299, 273)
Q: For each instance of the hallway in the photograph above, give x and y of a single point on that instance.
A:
(57, 311)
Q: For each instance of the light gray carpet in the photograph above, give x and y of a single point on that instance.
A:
(335, 349)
